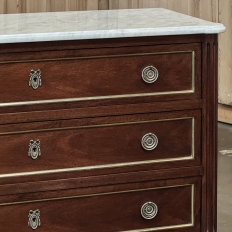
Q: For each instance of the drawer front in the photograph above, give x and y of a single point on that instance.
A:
(102, 143)
(149, 206)
(138, 72)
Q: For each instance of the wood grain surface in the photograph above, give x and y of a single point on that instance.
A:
(118, 208)
(44, 186)
(114, 143)
(225, 113)
(210, 72)
(106, 73)
(31, 6)
(197, 8)
(212, 10)
(225, 58)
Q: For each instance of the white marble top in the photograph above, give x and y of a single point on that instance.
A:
(100, 24)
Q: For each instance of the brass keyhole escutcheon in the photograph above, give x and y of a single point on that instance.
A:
(35, 79)
(34, 149)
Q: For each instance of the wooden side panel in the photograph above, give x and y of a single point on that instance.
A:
(208, 9)
(9, 6)
(29, 6)
(225, 58)
(103, 4)
(197, 8)
(225, 113)
(210, 73)
(123, 4)
(2, 6)
(35, 6)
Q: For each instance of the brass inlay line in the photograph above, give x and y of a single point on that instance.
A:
(191, 157)
(161, 228)
(121, 192)
(95, 126)
(95, 167)
(92, 98)
(193, 137)
(93, 195)
(193, 219)
(193, 71)
(104, 97)
(97, 57)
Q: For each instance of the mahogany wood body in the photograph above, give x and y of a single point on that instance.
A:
(103, 143)
(111, 208)
(74, 134)
(105, 73)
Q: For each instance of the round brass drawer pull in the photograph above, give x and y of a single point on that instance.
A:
(34, 219)
(34, 149)
(150, 74)
(149, 141)
(35, 79)
(149, 210)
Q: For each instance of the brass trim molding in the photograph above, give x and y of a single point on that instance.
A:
(193, 71)
(94, 126)
(93, 98)
(96, 57)
(103, 97)
(161, 228)
(191, 224)
(191, 157)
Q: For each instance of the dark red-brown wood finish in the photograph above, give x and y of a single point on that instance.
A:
(110, 208)
(210, 94)
(90, 114)
(102, 143)
(94, 74)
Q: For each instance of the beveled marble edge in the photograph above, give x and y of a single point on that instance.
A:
(164, 22)
(104, 34)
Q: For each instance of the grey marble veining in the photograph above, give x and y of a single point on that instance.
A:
(100, 24)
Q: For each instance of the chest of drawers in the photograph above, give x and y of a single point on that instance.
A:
(108, 134)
